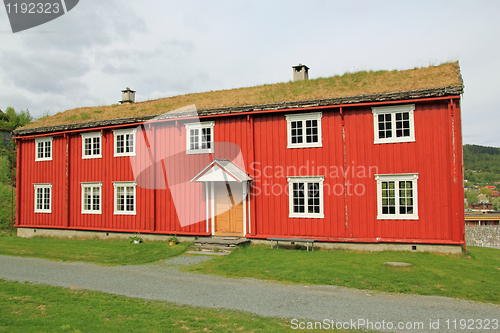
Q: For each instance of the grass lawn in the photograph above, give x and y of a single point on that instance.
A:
(108, 252)
(39, 308)
(474, 276)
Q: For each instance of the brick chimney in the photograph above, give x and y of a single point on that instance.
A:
(300, 72)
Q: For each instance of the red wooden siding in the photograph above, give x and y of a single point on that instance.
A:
(260, 142)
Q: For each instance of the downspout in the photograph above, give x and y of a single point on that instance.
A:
(18, 182)
(151, 162)
(252, 211)
(344, 154)
(457, 161)
(12, 189)
(66, 210)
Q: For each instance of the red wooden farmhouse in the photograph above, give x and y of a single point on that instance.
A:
(365, 158)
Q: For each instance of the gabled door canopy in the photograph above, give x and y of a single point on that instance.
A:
(221, 170)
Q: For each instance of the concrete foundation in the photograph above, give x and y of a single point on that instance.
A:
(32, 232)
(371, 247)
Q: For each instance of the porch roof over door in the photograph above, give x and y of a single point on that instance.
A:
(221, 170)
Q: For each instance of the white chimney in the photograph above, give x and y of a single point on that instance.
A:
(128, 96)
(300, 72)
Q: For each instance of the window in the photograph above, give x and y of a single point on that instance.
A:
(91, 198)
(397, 196)
(304, 130)
(43, 198)
(306, 196)
(91, 145)
(43, 149)
(125, 201)
(125, 142)
(393, 123)
(200, 138)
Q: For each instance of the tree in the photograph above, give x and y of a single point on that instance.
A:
(15, 119)
(487, 191)
(496, 203)
(9, 121)
(471, 197)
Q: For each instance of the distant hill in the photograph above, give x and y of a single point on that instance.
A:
(481, 164)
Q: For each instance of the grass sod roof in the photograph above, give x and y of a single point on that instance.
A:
(363, 86)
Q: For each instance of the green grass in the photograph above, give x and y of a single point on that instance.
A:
(108, 252)
(39, 308)
(474, 276)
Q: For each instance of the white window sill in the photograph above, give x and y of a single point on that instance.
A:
(381, 141)
(302, 145)
(200, 151)
(125, 213)
(397, 217)
(307, 216)
(123, 155)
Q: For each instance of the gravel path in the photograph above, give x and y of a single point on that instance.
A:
(164, 282)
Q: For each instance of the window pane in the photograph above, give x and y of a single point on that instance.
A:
(205, 138)
(130, 143)
(298, 198)
(39, 146)
(311, 131)
(47, 149)
(120, 143)
(388, 198)
(402, 124)
(39, 198)
(296, 134)
(87, 149)
(130, 199)
(46, 198)
(193, 139)
(87, 198)
(96, 201)
(406, 197)
(96, 146)
(313, 198)
(120, 198)
(384, 126)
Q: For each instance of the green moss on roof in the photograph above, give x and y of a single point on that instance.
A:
(349, 84)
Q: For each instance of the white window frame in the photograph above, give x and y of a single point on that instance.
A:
(306, 179)
(303, 117)
(44, 141)
(124, 184)
(43, 186)
(91, 186)
(397, 178)
(393, 110)
(199, 126)
(128, 131)
(91, 136)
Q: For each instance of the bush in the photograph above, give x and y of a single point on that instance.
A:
(5, 193)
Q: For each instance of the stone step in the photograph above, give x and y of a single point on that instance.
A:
(206, 247)
(223, 240)
(209, 253)
(214, 244)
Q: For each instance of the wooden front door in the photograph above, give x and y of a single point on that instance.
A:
(228, 209)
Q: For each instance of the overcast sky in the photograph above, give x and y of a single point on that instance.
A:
(165, 48)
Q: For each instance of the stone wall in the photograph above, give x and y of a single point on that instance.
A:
(483, 235)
